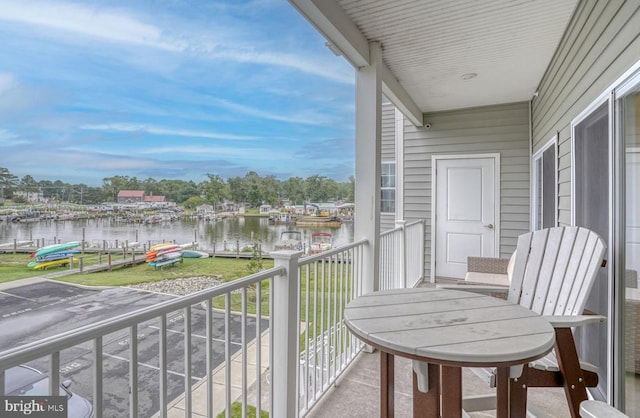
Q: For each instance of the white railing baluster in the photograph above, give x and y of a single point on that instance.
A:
(187, 361)
(209, 356)
(305, 373)
(334, 322)
(258, 349)
(162, 348)
(227, 353)
(133, 371)
(54, 374)
(97, 377)
(245, 386)
(315, 327)
(324, 307)
(271, 345)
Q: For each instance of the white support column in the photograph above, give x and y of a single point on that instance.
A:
(399, 140)
(368, 160)
(284, 331)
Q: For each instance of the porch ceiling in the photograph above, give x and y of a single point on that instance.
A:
(431, 47)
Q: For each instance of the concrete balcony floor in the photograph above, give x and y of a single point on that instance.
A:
(357, 393)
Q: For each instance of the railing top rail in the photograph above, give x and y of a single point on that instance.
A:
(316, 257)
(399, 228)
(419, 221)
(391, 231)
(36, 349)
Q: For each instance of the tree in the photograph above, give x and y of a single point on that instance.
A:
(150, 187)
(270, 189)
(237, 189)
(318, 190)
(215, 190)
(252, 183)
(7, 182)
(349, 190)
(294, 189)
(193, 202)
(112, 185)
(177, 190)
(28, 184)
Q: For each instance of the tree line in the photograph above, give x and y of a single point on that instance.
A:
(251, 188)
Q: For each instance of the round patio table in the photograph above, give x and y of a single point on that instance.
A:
(448, 330)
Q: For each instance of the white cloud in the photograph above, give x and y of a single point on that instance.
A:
(7, 82)
(119, 26)
(313, 118)
(218, 152)
(341, 74)
(125, 127)
(88, 21)
(9, 139)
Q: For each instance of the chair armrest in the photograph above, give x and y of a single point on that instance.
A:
(570, 321)
(475, 288)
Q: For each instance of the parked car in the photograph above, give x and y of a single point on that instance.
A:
(26, 381)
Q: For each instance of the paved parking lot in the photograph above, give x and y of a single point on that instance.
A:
(36, 311)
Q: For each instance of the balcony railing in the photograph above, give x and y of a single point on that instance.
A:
(402, 255)
(274, 341)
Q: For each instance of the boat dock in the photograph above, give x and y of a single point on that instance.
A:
(126, 252)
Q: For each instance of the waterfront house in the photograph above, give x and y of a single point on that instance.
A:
(521, 114)
(154, 199)
(139, 196)
(130, 196)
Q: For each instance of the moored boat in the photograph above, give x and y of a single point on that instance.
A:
(320, 241)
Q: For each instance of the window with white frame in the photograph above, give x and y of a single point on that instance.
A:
(388, 188)
(543, 184)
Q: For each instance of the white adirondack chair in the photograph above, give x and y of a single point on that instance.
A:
(553, 274)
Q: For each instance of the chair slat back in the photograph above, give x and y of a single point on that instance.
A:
(555, 269)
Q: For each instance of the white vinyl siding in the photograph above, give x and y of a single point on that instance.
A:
(600, 44)
(502, 129)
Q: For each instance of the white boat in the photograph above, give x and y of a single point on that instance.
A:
(320, 241)
(289, 240)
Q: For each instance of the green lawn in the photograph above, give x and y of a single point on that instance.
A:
(14, 267)
(321, 309)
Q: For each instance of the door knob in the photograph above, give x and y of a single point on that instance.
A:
(490, 226)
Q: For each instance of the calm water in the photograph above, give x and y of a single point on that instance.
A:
(205, 233)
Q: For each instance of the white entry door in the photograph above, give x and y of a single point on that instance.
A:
(466, 222)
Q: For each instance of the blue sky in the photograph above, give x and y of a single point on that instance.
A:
(170, 89)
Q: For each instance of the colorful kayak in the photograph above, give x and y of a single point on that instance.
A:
(194, 254)
(168, 256)
(164, 263)
(55, 263)
(155, 247)
(161, 250)
(58, 255)
(56, 247)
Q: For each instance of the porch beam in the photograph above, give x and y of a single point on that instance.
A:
(400, 98)
(333, 23)
(337, 27)
(368, 164)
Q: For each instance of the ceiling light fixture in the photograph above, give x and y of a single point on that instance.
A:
(468, 76)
